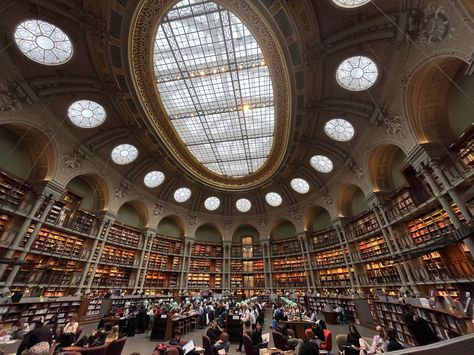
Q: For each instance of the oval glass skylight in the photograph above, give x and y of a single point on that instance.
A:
(182, 194)
(43, 42)
(243, 205)
(321, 163)
(350, 3)
(86, 114)
(212, 203)
(299, 185)
(154, 179)
(357, 73)
(273, 199)
(215, 87)
(339, 129)
(124, 154)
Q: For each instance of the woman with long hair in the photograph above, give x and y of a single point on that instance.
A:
(353, 341)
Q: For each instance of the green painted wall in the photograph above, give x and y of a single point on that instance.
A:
(207, 234)
(82, 188)
(359, 204)
(398, 164)
(169, 227)
(460, 107)
(285, 230)
(128, 216)
(14, 158)
(245, 232)
(321, 221)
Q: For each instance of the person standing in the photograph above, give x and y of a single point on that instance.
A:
(37, 341)
(246, 325)
(419, 327)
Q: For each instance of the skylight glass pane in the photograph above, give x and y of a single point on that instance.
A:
(215, 87)
(124, 154)
(43, 42)
(154, 179)
(350, 3)
(182, 194)
(321, 163)
(273, 199)
(299, 185)
(357, 73)
(86, 113)
(339, 129)
(212, 203)
(243, 205)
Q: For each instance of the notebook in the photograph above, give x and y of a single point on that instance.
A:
(266, 337)
(189, 346)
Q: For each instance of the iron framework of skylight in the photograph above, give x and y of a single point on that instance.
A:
(215, 87)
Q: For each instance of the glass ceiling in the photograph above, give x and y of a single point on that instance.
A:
(215, 87)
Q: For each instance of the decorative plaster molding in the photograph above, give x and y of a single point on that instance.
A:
(8, 101)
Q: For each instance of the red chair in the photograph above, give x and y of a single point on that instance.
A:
(206, 344)
(327, 345)
(248, 346)
(115, 347)
(280, 341)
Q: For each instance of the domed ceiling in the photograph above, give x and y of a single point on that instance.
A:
(223, 107)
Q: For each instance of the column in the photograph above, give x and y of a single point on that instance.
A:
(110, 219)
(189, 241)
(341, 237)
(147, 250)
(267, 266)
(226, 245)
(307, 264)
(149, 234)
(49, 204)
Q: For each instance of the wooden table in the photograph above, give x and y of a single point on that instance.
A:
(299, 326)
(275, 351)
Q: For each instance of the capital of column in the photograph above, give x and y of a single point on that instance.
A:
(51, 188)
(107, 216)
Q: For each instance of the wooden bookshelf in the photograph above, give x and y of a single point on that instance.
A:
(236, 266)
(108, 276)
(206, 250)
(285, 247)
(155, 279)
(236, 282)
(36, 309)
(116, 255)
(372, 247)
(336, 277)
(446, 324)
(200, 281)
(12, 191)
(288, 263)
(329, 257)
(403, 201)
(364, 224)
(325, 238)
(382, 272)
(435, 266)
(290, 280)
(431, 226)
(349, 304)
(163, 244)
(124, 235)
(464, 147)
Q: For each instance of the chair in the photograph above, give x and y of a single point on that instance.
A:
(78, 333)
(98, 350)
(280, 341)
(327, 345)
(206, 344)
(71, 353)
(248, 346)
(341, 340)
(115, 347)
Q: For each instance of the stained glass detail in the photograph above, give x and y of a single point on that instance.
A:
(154, 179)
(215, 87)
(243, 205)
(182, 194)
(212, 203)
(321, 163)
(43, 42)
(273, 199)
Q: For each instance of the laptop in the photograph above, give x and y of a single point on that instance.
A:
(266, 337)
(189, 346)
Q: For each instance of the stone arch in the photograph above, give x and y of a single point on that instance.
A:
(345, 199)
(99, 187)
(141, 210)
(208, 232)
(245, 230)
(381, 162)
(282, 228)
(311, 214)
(172, 225)
(41, 149)
(427, 99)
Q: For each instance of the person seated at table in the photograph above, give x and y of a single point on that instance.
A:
(36, 341)
(353, 341)
(340, 314)
(309, 348)
(19, 329)
(392, 342)
(4, 336)
(113, 334)
(68, 333)
(219, 339)
(291, 341)
(317, 334)
(257, 341)
(378, 342)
